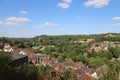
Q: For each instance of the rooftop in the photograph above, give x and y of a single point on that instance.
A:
(17, 56)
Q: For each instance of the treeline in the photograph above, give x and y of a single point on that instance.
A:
(46, 39)
(98, 37)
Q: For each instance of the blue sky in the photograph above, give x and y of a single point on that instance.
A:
(29, 18)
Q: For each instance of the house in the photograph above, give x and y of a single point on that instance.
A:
(85, 77)
(101, 71)
(32, 57)
(42, 58)
(7, 48)
(18, 59)
(22, 52)
(94, 75)
(58, 66)
(84, 70)
(74, 65)
(1, 45)
(100, 47)
(46, 59)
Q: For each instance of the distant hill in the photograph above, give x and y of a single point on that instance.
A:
(96, 37)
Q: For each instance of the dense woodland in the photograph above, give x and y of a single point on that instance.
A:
(63, 48)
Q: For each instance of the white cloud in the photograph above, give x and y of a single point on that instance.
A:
(23, 12)
(37, 27)
(97, 3)
(18, 19)
(117, 24)
(64, 5)
(2, 23)
(67, 1)
(14, 21)
(50, 24)
(116, 18)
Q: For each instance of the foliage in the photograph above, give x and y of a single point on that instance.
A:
(113, 70)
(100, 54)
(115, 52)
(66, 48)
(68, 74)
(6, 68)
(96, 62)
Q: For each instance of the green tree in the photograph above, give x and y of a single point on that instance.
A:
(115, 52)
(69, 74)
(96, 62)
(6, 68)
(113, 70)
(28, 72)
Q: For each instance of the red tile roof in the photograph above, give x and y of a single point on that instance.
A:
(85, 77)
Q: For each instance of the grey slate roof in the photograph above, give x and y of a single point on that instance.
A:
(16, 56)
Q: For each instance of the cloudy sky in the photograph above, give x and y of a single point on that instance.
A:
(29, 18)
